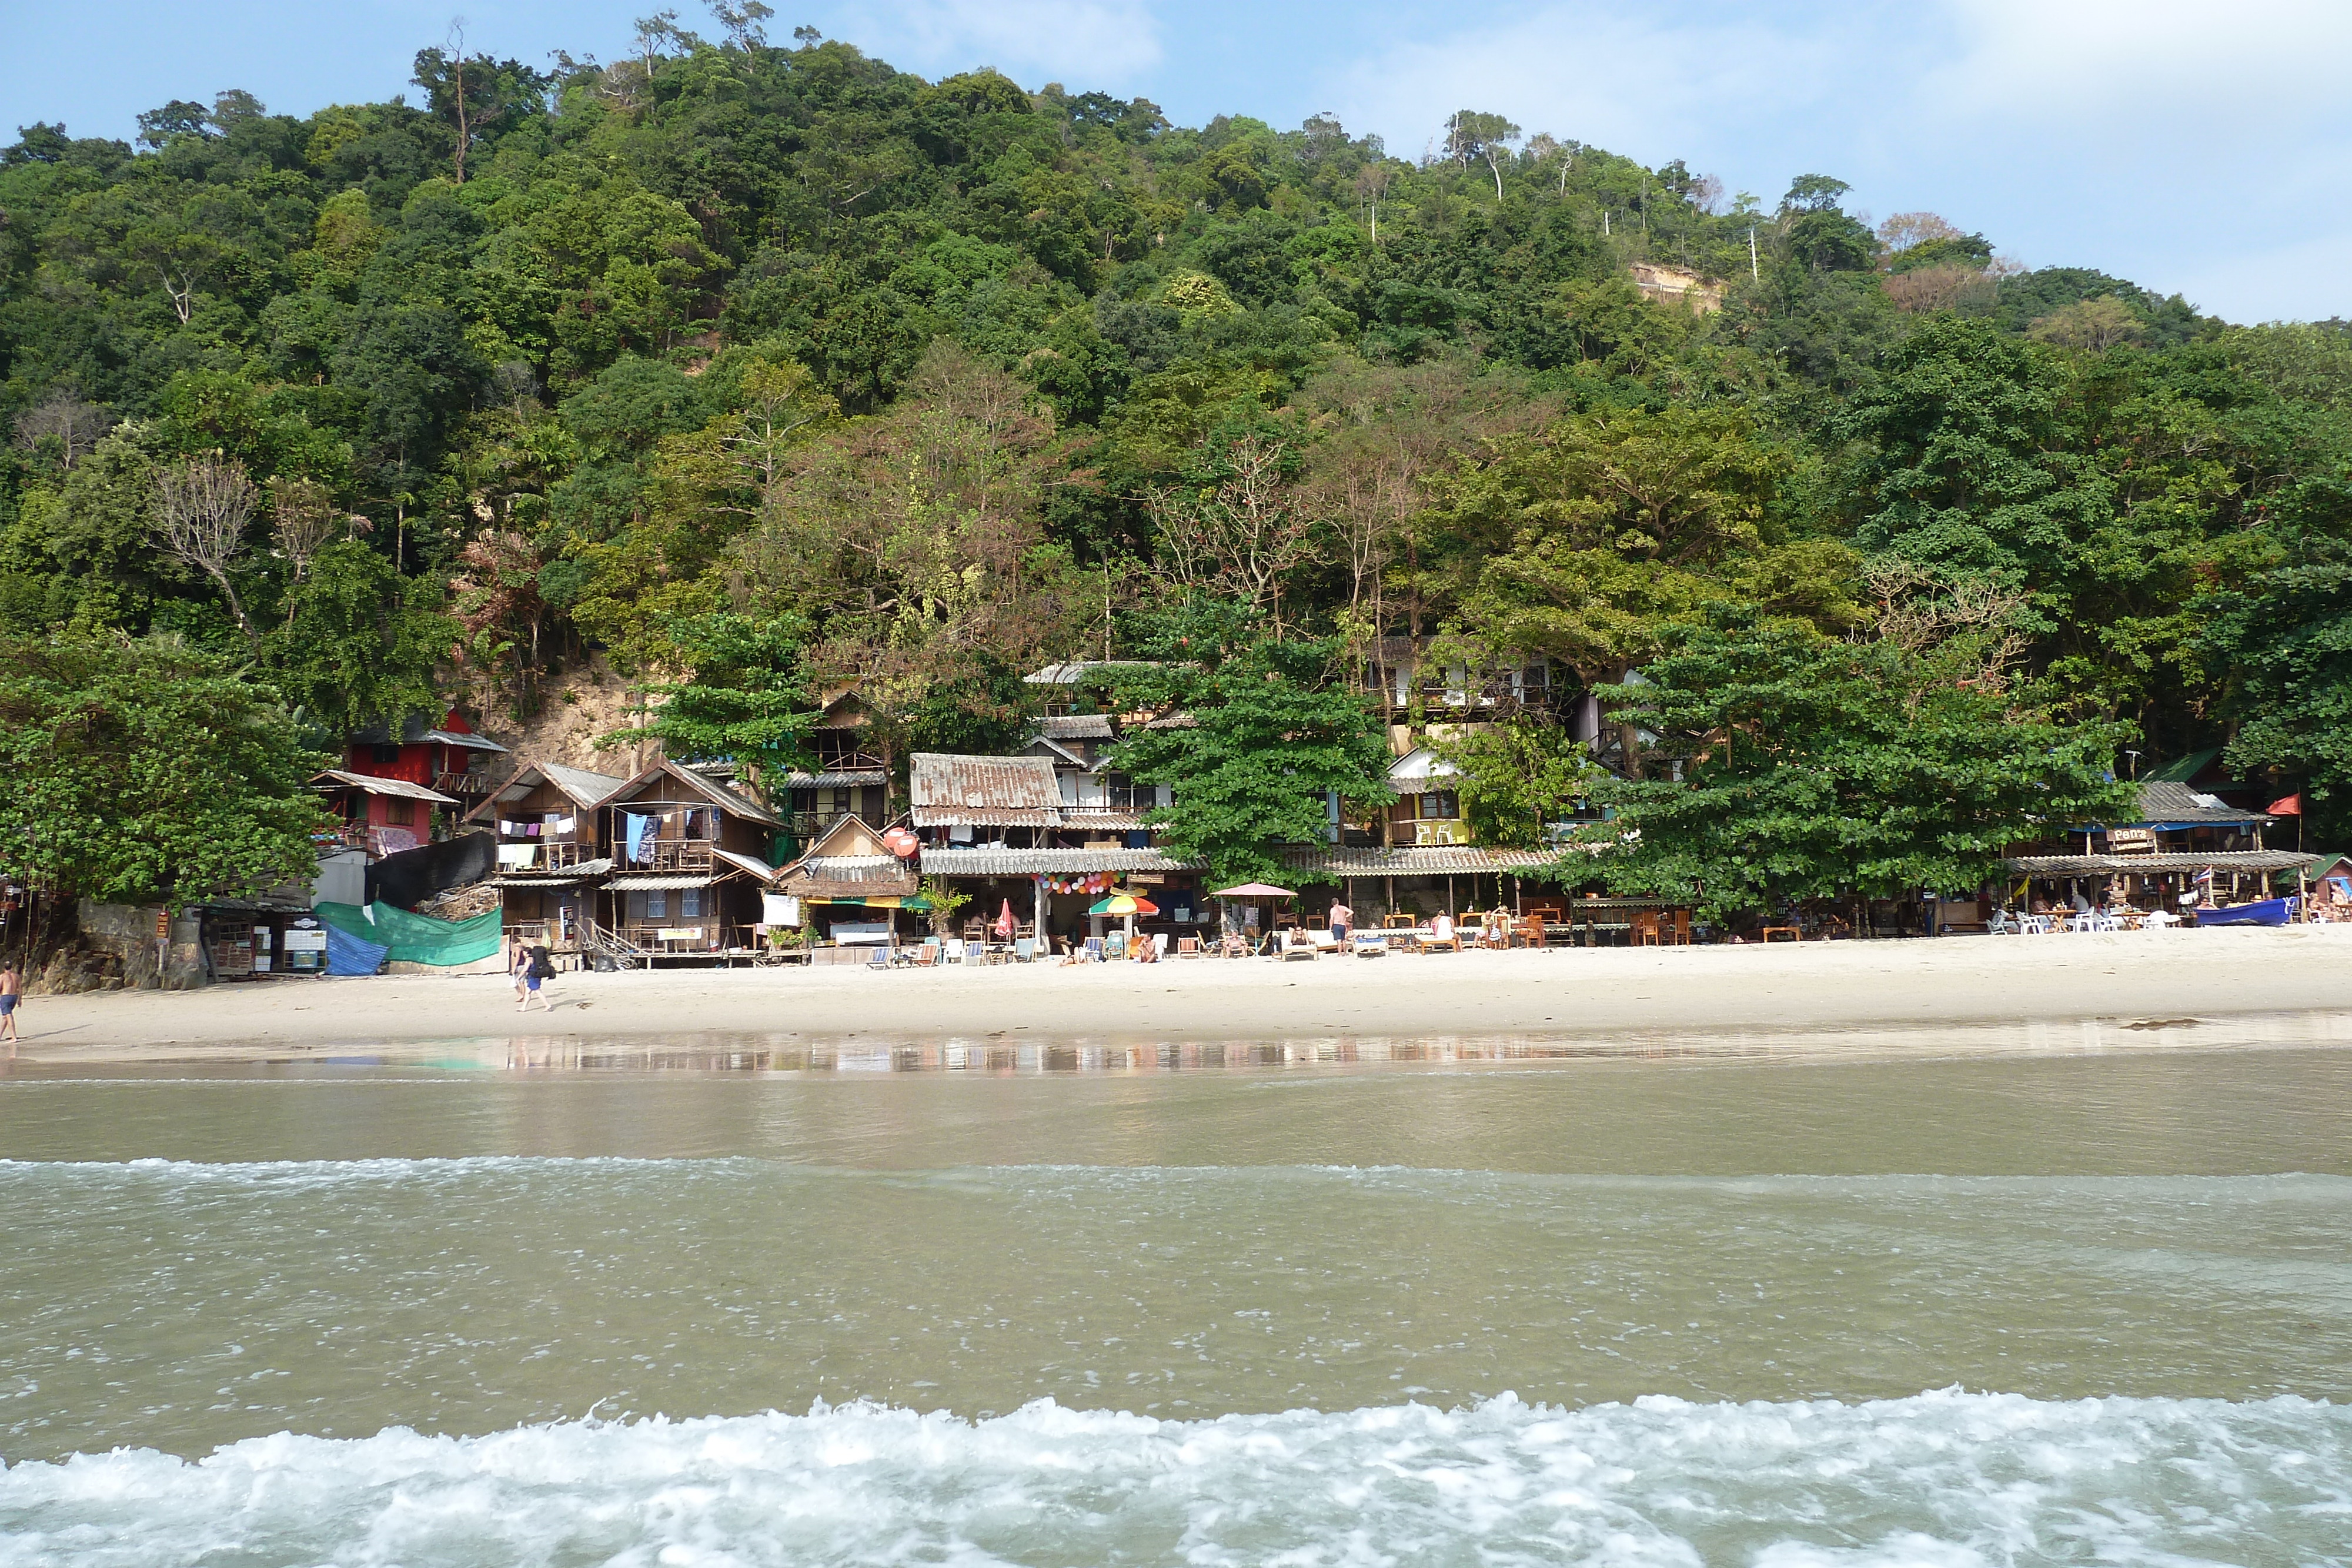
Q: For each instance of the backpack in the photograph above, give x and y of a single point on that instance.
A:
(541, 966)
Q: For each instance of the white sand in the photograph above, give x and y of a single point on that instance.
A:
(1900, 988)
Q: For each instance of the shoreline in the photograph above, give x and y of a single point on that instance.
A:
(1749, 1001)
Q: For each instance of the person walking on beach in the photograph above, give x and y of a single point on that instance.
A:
(1342, 919)
(537, 967)
(11, 992)
(518, 965)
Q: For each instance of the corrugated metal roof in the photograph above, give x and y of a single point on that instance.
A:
(983, 817)
(588, 789)
(569, 879)
(657, 882)
(2224, 860)
(1077, 669)
(582, 788)
(843, 781)
(984, 783)
(760, 869)
(854, 868)
(2162, 801)
(372, 785)
(1044, 862)
(1417, 860)
(1080, 819)
(2181, 769)
(1075, 726)
(471, 742)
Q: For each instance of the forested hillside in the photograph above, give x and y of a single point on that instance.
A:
(765, 367)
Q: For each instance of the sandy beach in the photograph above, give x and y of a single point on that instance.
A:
(2143, 984)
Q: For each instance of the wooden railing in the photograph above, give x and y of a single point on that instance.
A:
(468, 783)
(668, 854)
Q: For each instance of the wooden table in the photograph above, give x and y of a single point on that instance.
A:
(1791, 932)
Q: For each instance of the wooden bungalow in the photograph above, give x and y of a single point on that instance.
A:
(447, 758)
(379, 815)
(1048, 832)
(850, 886)
(690, 863)
(2183, 846)
(552, 852)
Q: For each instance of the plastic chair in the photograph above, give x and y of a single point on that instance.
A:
(1024, 950)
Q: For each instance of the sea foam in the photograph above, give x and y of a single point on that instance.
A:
(1940, 1480)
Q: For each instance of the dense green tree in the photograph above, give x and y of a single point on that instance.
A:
(1810, 769)
(1259, 735)
(145, 771)
(514, 326)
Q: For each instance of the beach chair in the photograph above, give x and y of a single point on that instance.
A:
(1094, 950)
(1532, 930)
(1681, 928)
(1188, 946)
(928, 954)
(1370, 943)
(1024, 950)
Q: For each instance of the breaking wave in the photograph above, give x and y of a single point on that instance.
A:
(1940, 1480)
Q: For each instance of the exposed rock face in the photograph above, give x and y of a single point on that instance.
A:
(71, 970)
(1668, 284)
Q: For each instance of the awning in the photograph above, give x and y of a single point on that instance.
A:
(571, 880)
(986, 817)
(1419, 859)
(471, 742)
(893, 901)
(2221, 860)
(660, 882)
(371, 784)
(745, 863)
(1045, 862)
(845, 778)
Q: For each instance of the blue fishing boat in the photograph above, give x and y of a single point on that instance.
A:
(2263, 912)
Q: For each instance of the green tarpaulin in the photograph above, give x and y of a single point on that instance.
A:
(417, 938)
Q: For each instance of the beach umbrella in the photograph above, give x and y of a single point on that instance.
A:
(1253, 890)
(1005, 924)
(1125, 903)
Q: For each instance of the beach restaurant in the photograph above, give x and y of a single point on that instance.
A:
(2183, 848)
(1018, 832)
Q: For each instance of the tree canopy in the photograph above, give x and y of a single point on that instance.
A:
(954, 377)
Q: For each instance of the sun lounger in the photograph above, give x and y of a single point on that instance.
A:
(1370, 943)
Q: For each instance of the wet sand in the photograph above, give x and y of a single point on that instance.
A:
(2151, 988)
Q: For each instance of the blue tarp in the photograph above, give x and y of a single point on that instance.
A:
(350, 955)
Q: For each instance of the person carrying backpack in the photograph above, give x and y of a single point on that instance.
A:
(539, 969)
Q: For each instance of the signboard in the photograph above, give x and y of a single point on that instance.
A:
(306, 941)
(1149, 879)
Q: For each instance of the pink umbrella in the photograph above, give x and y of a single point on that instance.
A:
(1004, 922)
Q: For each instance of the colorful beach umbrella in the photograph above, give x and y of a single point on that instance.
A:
(1125, 903)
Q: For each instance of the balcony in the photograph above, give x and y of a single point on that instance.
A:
(672, 854)
(464, 784)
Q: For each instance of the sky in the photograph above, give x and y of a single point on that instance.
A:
(2194, 148)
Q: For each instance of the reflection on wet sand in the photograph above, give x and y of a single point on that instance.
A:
(1000, 1055)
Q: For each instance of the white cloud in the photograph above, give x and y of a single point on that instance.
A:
(1089, 40)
